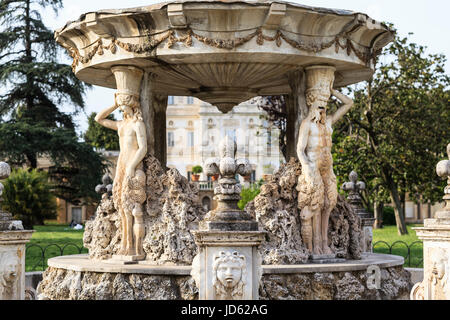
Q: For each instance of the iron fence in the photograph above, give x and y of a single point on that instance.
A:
(37, 255)
(412, 253)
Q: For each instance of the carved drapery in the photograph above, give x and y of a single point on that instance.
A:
(173, 36)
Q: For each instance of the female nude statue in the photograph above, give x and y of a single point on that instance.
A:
(129, 181)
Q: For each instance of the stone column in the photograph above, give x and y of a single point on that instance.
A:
(12, 250)
(296, 111)
(228, 265)
(154, 106)
(436, 247)
(366, 218)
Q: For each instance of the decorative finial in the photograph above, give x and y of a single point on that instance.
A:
(443, 171)
(228, 190)
(354, 187)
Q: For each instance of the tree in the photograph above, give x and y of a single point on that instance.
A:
(33, 84)
(99, 136)
(398, 129)
(28, 197)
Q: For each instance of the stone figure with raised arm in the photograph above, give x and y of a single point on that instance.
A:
(317, 183)
(129, 181)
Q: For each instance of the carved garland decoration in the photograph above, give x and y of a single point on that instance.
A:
(152, 43)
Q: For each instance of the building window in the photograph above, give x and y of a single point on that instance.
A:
(77, 215)
(190, 100)
(190, 139)
(206, 203)
(170, 139)
(170, 100)
(231, 133)
(190, 123)
(269, 142)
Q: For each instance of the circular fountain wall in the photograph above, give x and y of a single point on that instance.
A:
(79, 278)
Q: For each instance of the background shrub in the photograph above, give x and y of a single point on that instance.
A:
(28, 197)
(248, 194)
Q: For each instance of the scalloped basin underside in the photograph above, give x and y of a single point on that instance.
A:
(217, 50)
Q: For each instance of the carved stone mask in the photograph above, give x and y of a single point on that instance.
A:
(229, 268)
(229, 273)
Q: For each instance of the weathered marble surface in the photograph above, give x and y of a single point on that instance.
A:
(66, 279)
(171, 211)
(395, 285)
(354, 187)
(12, 249)
(200, 47)
(275, 208)
(61, 284)
(436, 247)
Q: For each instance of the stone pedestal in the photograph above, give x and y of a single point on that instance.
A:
(12, 249)
(436, 261)
(367, 232)
(228, 265)
(366, 219)
(12, 263)
(436, 247)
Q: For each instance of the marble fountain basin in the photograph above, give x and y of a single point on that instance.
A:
(223, 52)
(78, 277)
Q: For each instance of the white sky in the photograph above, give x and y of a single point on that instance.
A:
(427, 19)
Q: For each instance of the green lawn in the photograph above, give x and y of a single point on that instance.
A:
(49, 241)
(399, 244)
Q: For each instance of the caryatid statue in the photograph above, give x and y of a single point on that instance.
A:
(129, 181)
(317, 183)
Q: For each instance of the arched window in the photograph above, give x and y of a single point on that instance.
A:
(206, 203)
(170, 139)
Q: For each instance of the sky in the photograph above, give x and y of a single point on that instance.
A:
(427, 19)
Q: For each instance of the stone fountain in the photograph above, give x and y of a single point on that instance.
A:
(297, 239)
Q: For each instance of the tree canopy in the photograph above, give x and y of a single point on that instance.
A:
(28, 197)
(398, 128)
(99, 136)
(33, 87)
(396, 131)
